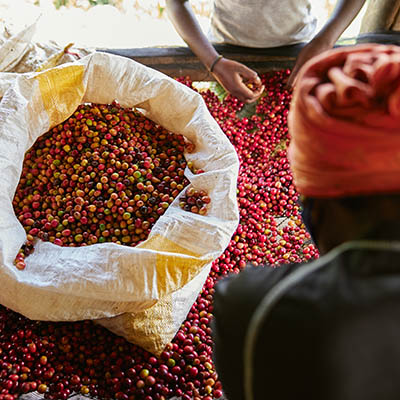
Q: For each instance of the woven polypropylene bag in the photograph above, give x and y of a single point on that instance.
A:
(161, 277)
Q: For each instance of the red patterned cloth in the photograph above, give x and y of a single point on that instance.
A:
(345, 123)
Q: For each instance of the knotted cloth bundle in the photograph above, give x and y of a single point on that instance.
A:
(344, 123)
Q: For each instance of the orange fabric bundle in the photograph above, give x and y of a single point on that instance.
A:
(345, 123)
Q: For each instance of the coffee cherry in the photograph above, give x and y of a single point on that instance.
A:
(195, 201)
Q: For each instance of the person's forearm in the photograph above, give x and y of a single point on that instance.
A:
(342, 16)
(185, 22)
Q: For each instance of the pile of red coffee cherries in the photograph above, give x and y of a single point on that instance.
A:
(104, 175)
(59, 359)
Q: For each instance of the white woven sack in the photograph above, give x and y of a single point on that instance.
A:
(106, 280)
(19, 53)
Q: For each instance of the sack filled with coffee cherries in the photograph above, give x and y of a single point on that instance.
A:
(118, 191)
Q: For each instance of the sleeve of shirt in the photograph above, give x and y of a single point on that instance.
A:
(235, 299)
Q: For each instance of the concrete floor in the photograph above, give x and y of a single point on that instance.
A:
(37, 396)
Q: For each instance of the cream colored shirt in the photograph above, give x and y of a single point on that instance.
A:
(262, 23)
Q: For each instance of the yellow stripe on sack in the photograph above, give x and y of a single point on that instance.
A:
(62, 91)
(151, 329)
(173, 271)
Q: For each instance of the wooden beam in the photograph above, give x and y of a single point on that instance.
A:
(383, 37)
(180, 61)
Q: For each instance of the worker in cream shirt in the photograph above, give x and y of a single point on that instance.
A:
(259, 24)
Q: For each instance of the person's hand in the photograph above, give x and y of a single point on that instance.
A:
(313, 48)
(238, 80)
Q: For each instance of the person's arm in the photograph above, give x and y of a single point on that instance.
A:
(233, 76)
(342, 16)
